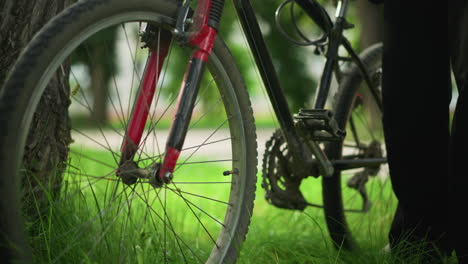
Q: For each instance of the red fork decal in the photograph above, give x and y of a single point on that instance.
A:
(143, 103)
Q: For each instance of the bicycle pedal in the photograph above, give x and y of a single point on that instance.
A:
(319, 125)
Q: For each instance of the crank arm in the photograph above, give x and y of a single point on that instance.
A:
(311, 147)
(325, 166)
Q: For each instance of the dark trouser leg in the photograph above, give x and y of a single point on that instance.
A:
(416, 123)
(458, 39)
(459, 179)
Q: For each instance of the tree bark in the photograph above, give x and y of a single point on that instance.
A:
(99, 88)
(372, 30)
(371, 20)
(49, 136)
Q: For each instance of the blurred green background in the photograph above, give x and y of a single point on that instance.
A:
(298, 68)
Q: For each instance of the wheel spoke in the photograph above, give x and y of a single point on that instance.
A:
(198, 218)
(197, 195)
(152, 126)
(214, 132)
(201, 162)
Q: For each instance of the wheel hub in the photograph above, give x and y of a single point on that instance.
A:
(129, 172)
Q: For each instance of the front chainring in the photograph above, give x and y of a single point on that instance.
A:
(279, 181)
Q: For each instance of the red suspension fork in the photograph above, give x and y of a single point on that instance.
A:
(206, 19)
(158, 53)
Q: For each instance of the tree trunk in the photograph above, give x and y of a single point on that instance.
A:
(49, 136)
(372, 28)
(371, 20)
(99, 84)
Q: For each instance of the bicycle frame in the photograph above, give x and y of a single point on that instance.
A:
(205, 20)
(302, 153)
(273, 87)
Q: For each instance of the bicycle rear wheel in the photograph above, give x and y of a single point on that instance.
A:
(89, 214)
(356, 110)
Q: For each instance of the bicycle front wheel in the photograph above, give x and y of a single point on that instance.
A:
(80, 210)
(357, 199)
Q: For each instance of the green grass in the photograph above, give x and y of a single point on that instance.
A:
(82, 122)
(284, 236)
(275, 235)
(85, 214)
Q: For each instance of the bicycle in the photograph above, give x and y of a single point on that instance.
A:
(148, 184)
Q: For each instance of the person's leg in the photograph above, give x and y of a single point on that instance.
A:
(458, 39)
(416, 123)
(459, 179)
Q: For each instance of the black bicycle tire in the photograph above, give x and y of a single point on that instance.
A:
(332, 187)
(18, 95)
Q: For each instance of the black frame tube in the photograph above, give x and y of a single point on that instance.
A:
(315, 11)
(270, 79)
(302, 153)
(358, 163)
(335, 39)
(185, 104)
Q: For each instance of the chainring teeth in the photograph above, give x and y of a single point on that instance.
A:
(280, 184)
